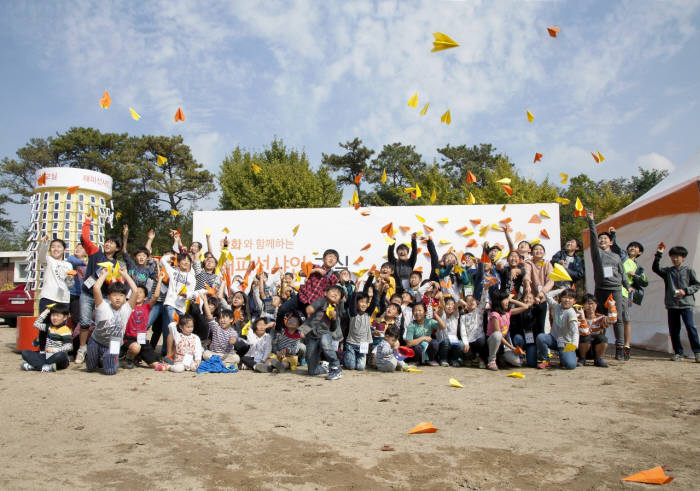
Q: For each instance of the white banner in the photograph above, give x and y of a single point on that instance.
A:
(65, 177)
(268, 235)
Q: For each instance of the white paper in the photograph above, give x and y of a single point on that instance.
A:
(89, 282)
(453, 338)
(569, 260)
(114, 345)
(468, 290)
(364, 348)
(141, 338)
(607, 271)
(529, 337)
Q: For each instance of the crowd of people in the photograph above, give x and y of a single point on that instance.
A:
(500, 309)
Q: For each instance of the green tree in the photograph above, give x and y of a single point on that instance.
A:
(404, 167)
(456, 161)
(284, 180)
(350, 165)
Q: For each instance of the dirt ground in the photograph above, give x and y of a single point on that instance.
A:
(554, 429)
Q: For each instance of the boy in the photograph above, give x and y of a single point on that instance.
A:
(571, 261)
(471, 328)
(451, 347)
(285, 345)
(78, 261)
(386, 361)
(58, 278)
(523, 248)
(321, 331)
(111, 317)
(135, 343)
(418, 335)
(108, 253)
(681, 284)
(58, 342)
(141, 270)
(359, 337)
(609, 278)
(638, 280)
(404, 264)
(223, 336)
(591, 330)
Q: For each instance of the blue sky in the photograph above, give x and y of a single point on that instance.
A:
(622, 78)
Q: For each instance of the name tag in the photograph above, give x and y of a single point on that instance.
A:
(607, 271)
(468, 290)
(141, 338)
(114, 344)
(89, 282)
(187, 361)
(529, 337)
(364, 348)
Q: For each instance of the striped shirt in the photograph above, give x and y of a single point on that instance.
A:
(58, 338)
(221, 338)
(287, 340)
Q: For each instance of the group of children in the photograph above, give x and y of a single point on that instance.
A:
(500, 309)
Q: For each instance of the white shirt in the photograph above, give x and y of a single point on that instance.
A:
(109, 322)
(56, 284)
(178, 279)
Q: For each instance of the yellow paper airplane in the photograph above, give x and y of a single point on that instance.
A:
(483, 231)
(413, 101)
(256, 168)
(174, 212)
(207, 231)
(563, 201)
(425, 109)
(469, 232)
(355, 197)
(543, 213)
(134, 115)
(569, 347)
(225, 230)
(383, 176)
(564, 177)
(559, 273)
(471, 200)
(446, 118)
(444, 220)
(600, 157)
(433, 197)
(530, 116)
(515, 375)
(444, 241)
(418, 192)
(442, 41)
(505, 180)
(161, 160)
(414, 370)
(503, 208)
(295, 230)
(495, 226)
(455, 383)
(420, 219)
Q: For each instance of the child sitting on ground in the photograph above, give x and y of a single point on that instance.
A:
(260, 343)
(386, 361)
(564, 333)
(135, 344)
(499, 324)
(187, 346)
(223, 336)
(471, 328)
(591, 330)
(419, 336)
(111, 317)
(320, 330)
(285, 345)
(58, 342)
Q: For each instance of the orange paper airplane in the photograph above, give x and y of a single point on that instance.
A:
(476, 221)
(535, 219)
(544, 233)
(404, 228)
(42, 180)
(388, 228)
(72, 189)
(357, 178)
(106, 100)
(471, 178)
(651, 476)
(179, 115)
(359, 260)
(423, 428)
(366, 247)
(508, 189)
(538, 157)
(506, 220)
(471, 243)
(553, 31)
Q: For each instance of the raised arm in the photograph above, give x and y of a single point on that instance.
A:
(125, 237)
(129, 281)
(414, 250)
(506, 230)
(97, 287)
(43, 249)
(149, 241)
(89, 247)
(156, 292)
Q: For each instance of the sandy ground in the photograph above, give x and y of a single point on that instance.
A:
(143, 429)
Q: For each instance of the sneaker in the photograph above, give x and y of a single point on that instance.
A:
(169, 360)
(492, 366)
(322, 369)
(128, 364)
(601, 363)
(482, 365)
(278, 365)
(80, 355)
(456, 364)
(676, 357)
(697, 357)
(444, 364)
(544, 364)
(27, 367)
(261, 367)
(626, 351)
(334, 374)
(432, 363)
(48, 367)
(619, 353)
(581, 362)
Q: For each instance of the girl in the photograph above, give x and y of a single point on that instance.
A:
(499, 323)
(58, 279)
(238, 304)
(525, 329)
(591, 330)
(471, 327)
(404, 264)
(187, 346)
(511, 273)
(386, 361)
(564, 333)
(538, 282)
(260, 343)
(181, 289)
(451, 347)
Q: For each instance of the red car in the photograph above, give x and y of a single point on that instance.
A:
(16, 303)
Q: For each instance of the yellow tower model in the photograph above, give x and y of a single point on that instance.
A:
(63, 198)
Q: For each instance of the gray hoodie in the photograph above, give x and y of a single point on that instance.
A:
(607, 266)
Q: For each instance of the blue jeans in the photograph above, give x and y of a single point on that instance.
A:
(449, 351)
(352, 358)
(158, 312)
(87, 306)
(546, 341)
(314, 346)
(167, 319)
(530, 350)
(674, 329)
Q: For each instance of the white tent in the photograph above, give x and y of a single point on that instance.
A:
(668, 213)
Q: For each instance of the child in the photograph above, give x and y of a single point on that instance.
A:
(591, 330)
(571, 261)
(135, 344)
(538, 282)
(285, 345)
(419, 336)
(564, 333)
(523, 248)
(471, 327)
(386, 361)
(141, 270)
(524, 329)
(260, 343)
(451, 347)
(111, 317)
(638, 281)
(78, 261)
(414, 283)
(187, 346)
(499, 323)
(223, 336)
(359, 336)
(386, 280)
(181, 289)
(58, 278)
(681, 284)
(108, 253)
(511, 273)
(58, 342)
(321, 329)
(609, 278)
(404, 264)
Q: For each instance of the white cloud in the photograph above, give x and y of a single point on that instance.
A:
(655, 161)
